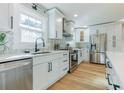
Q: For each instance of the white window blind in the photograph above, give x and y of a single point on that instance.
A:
(30, 27)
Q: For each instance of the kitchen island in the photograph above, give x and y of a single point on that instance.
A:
(115, 69)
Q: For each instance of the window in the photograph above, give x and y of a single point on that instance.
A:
(30, 27)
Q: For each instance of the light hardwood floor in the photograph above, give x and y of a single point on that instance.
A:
(87, 76)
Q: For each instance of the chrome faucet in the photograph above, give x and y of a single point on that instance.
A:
(36, 49)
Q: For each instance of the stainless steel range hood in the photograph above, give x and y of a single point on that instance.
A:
(65, 30)
(66, 34)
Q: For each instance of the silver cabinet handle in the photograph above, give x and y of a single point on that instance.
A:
(64, 54)
(65, 61)
(48, 67)
(65, 69)
(51, 67)
(11, 22)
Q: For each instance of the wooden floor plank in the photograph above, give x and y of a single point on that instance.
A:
(87, 76)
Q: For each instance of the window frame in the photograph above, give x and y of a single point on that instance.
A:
(29, 28)
(21, 9)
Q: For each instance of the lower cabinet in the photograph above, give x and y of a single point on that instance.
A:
(86, 55)
(48, 71)
(113, 81)
(53, 74)
(80, 56)
(40, 76)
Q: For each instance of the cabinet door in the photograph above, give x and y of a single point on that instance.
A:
(4, 16)
(59, 26)
(86, 55)
(77, 36)
(56, 69)
(53, 75)
(55, 24)
(40, 76)
(52, 29)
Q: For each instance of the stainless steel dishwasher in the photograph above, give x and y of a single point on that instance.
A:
(16, 75)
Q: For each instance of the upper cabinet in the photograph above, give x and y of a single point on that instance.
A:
(55, 24)
(82, 35)
(6, 20)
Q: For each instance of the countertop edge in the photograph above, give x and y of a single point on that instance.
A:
(23, 56)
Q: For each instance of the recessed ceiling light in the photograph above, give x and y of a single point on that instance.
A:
(75, 15)
(59, 20)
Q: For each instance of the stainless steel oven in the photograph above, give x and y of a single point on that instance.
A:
(73, 62)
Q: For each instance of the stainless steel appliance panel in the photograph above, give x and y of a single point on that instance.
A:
(98, 48)
(16, 75)
(97, 58)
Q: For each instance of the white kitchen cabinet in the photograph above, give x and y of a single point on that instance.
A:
(64, 64)
(48, 69)
(55, 24)
(80, 56)
(53, 74)
(112, 78)
(5, 17)
(77, 36)
(85, 35)
(86, 54)
(40, 76)
(45, 74)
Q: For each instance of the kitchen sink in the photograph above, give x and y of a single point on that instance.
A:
(40, 53)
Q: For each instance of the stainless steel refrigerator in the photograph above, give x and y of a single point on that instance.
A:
(98, 48)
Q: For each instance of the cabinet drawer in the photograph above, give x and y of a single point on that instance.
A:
(65, 54)
(57, 56)
(41, 59)
(65, 61)
(64, 70)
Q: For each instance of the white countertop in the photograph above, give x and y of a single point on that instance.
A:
(10, 57)
(117, 61)
(77, 49)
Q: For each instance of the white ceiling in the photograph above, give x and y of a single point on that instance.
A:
(89, 13)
